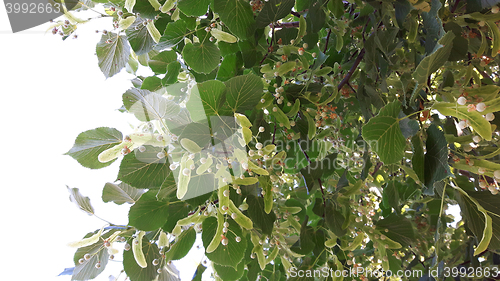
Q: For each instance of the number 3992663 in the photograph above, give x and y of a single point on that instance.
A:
(33, 8)
(472, 272)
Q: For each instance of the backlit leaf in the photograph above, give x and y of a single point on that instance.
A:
(121, 193)
(81, 201)
(89, 144)
(147, 106)
(113, 53)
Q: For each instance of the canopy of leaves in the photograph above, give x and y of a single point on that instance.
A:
(299, 134)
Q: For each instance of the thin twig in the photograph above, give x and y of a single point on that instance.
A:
(349, 84)
(454, 6)
(328, 39)
(351, 71)
(377, 167)
(295, 14)
(319, 179)
(270, 48)
(274, 133)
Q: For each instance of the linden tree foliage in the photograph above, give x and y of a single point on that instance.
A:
(298, 135)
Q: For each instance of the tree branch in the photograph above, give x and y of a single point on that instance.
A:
(351, 71)
(377, 167)
(270, 48)
(328, 39)
(455, 6)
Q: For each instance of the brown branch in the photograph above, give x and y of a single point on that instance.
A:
(349, 84)
(295, 14)
(377, 167)
(455, 6)
(270, 48)
(328, 39)
(351, 71)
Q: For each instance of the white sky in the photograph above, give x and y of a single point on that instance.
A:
(51, 91)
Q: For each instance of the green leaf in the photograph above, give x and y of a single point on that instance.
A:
(176, 211)
(229, 273)
(460, 44)
(223, 36)
(256, 212)
(311, 126)
(336, 7)
(315, 17)
(145, 9)
(409, 127)
(432, 25)
(82, 202)
(87, 270)
(151, 83)
(244, 92)
(199, 272)
(384, 134)
(477, 121)
(237, 15)
(481, 213)
(230, 255)
(137, 273)
(190, 145)
(125, 23)
(173, 70)
(129, 5)
(312, 173)
(169, 273)
(89, 144)
(434, 61)
(281, 117)
(436, 158)
(266, 185)
(112, 56)
(274, 10)
(418, 159)
(139, 37)
(121, 193)
(201, 57)
(147, 106)
(229, 67)
(390, 195)
(197, 132)
(183, 243)
(495, 34)
(194, 8)
(400, 229)
(161, 61)
(334, 219)
(148, 213)
(153, 32)
(206, 100)
(173, 35)
(144, 169)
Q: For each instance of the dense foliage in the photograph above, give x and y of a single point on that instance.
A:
(298, 135)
